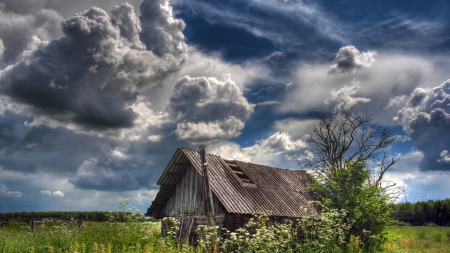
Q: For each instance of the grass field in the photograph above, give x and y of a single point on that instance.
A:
(418, 239)
(106, 237)
(55, 236)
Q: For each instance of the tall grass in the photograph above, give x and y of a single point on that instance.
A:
(58, 236)
(418, 239)
(322, 235)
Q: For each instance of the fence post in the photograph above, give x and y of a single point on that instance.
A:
(80, 224)
(32, 225)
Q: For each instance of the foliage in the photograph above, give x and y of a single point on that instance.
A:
(342, 146)
(327, 232)
(365, 204)
(257, 236)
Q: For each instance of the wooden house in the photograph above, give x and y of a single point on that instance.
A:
(230, 194)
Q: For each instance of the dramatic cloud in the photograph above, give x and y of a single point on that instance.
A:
(93, 75)
(349, 59)
(202, 131)
(276, 143)
(426, 117)
(17, 31)
(342, 100)
(94, 111)
(147, 120)
(212, 109)
(92, 174)
(384, 84)
(118, 170)
(268, 151)
(162, 34)
(2, 49)
(4, 191)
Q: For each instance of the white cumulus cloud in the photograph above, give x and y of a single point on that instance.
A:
(349, 58)
(203, 131)
(45, 193)
(59, 194)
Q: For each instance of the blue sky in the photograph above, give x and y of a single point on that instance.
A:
(95, 100)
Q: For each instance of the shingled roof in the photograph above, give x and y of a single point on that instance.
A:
(281, 191)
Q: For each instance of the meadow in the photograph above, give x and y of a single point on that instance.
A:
(52, 236)
(412, 239)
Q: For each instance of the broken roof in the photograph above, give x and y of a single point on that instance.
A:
(282, 192)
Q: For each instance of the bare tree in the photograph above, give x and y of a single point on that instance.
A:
(347, 138)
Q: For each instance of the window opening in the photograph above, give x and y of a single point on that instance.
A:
(238, 172)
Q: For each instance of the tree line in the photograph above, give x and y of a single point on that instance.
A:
(60, 215)
(422, 213)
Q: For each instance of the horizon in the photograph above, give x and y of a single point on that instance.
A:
(96, 100)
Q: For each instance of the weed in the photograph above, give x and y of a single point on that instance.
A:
(421, 234)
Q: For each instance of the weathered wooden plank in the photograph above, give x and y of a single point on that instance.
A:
(239, 173)
(232, 165)
(190, 227)
(190, 191)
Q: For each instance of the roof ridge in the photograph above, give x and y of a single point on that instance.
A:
(235, 160)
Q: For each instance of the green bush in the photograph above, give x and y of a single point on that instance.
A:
(402, 224)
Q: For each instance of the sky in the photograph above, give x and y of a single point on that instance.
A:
(97, 95)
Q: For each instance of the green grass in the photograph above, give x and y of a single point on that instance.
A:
(411, 239)
(106, 237)
(143, 237)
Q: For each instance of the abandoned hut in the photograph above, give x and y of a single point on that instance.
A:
(229, 194)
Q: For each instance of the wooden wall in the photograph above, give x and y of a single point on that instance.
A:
(187, 197)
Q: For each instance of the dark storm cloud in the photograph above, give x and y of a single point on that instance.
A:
(106, 176)
(89, 162)
(121, 169)
(93, 74)
(32, 149)
(18, 31)
(426, 118)
(13, 132)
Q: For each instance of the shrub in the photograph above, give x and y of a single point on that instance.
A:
(402, 223)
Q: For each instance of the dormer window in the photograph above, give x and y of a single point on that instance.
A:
(238, 172)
